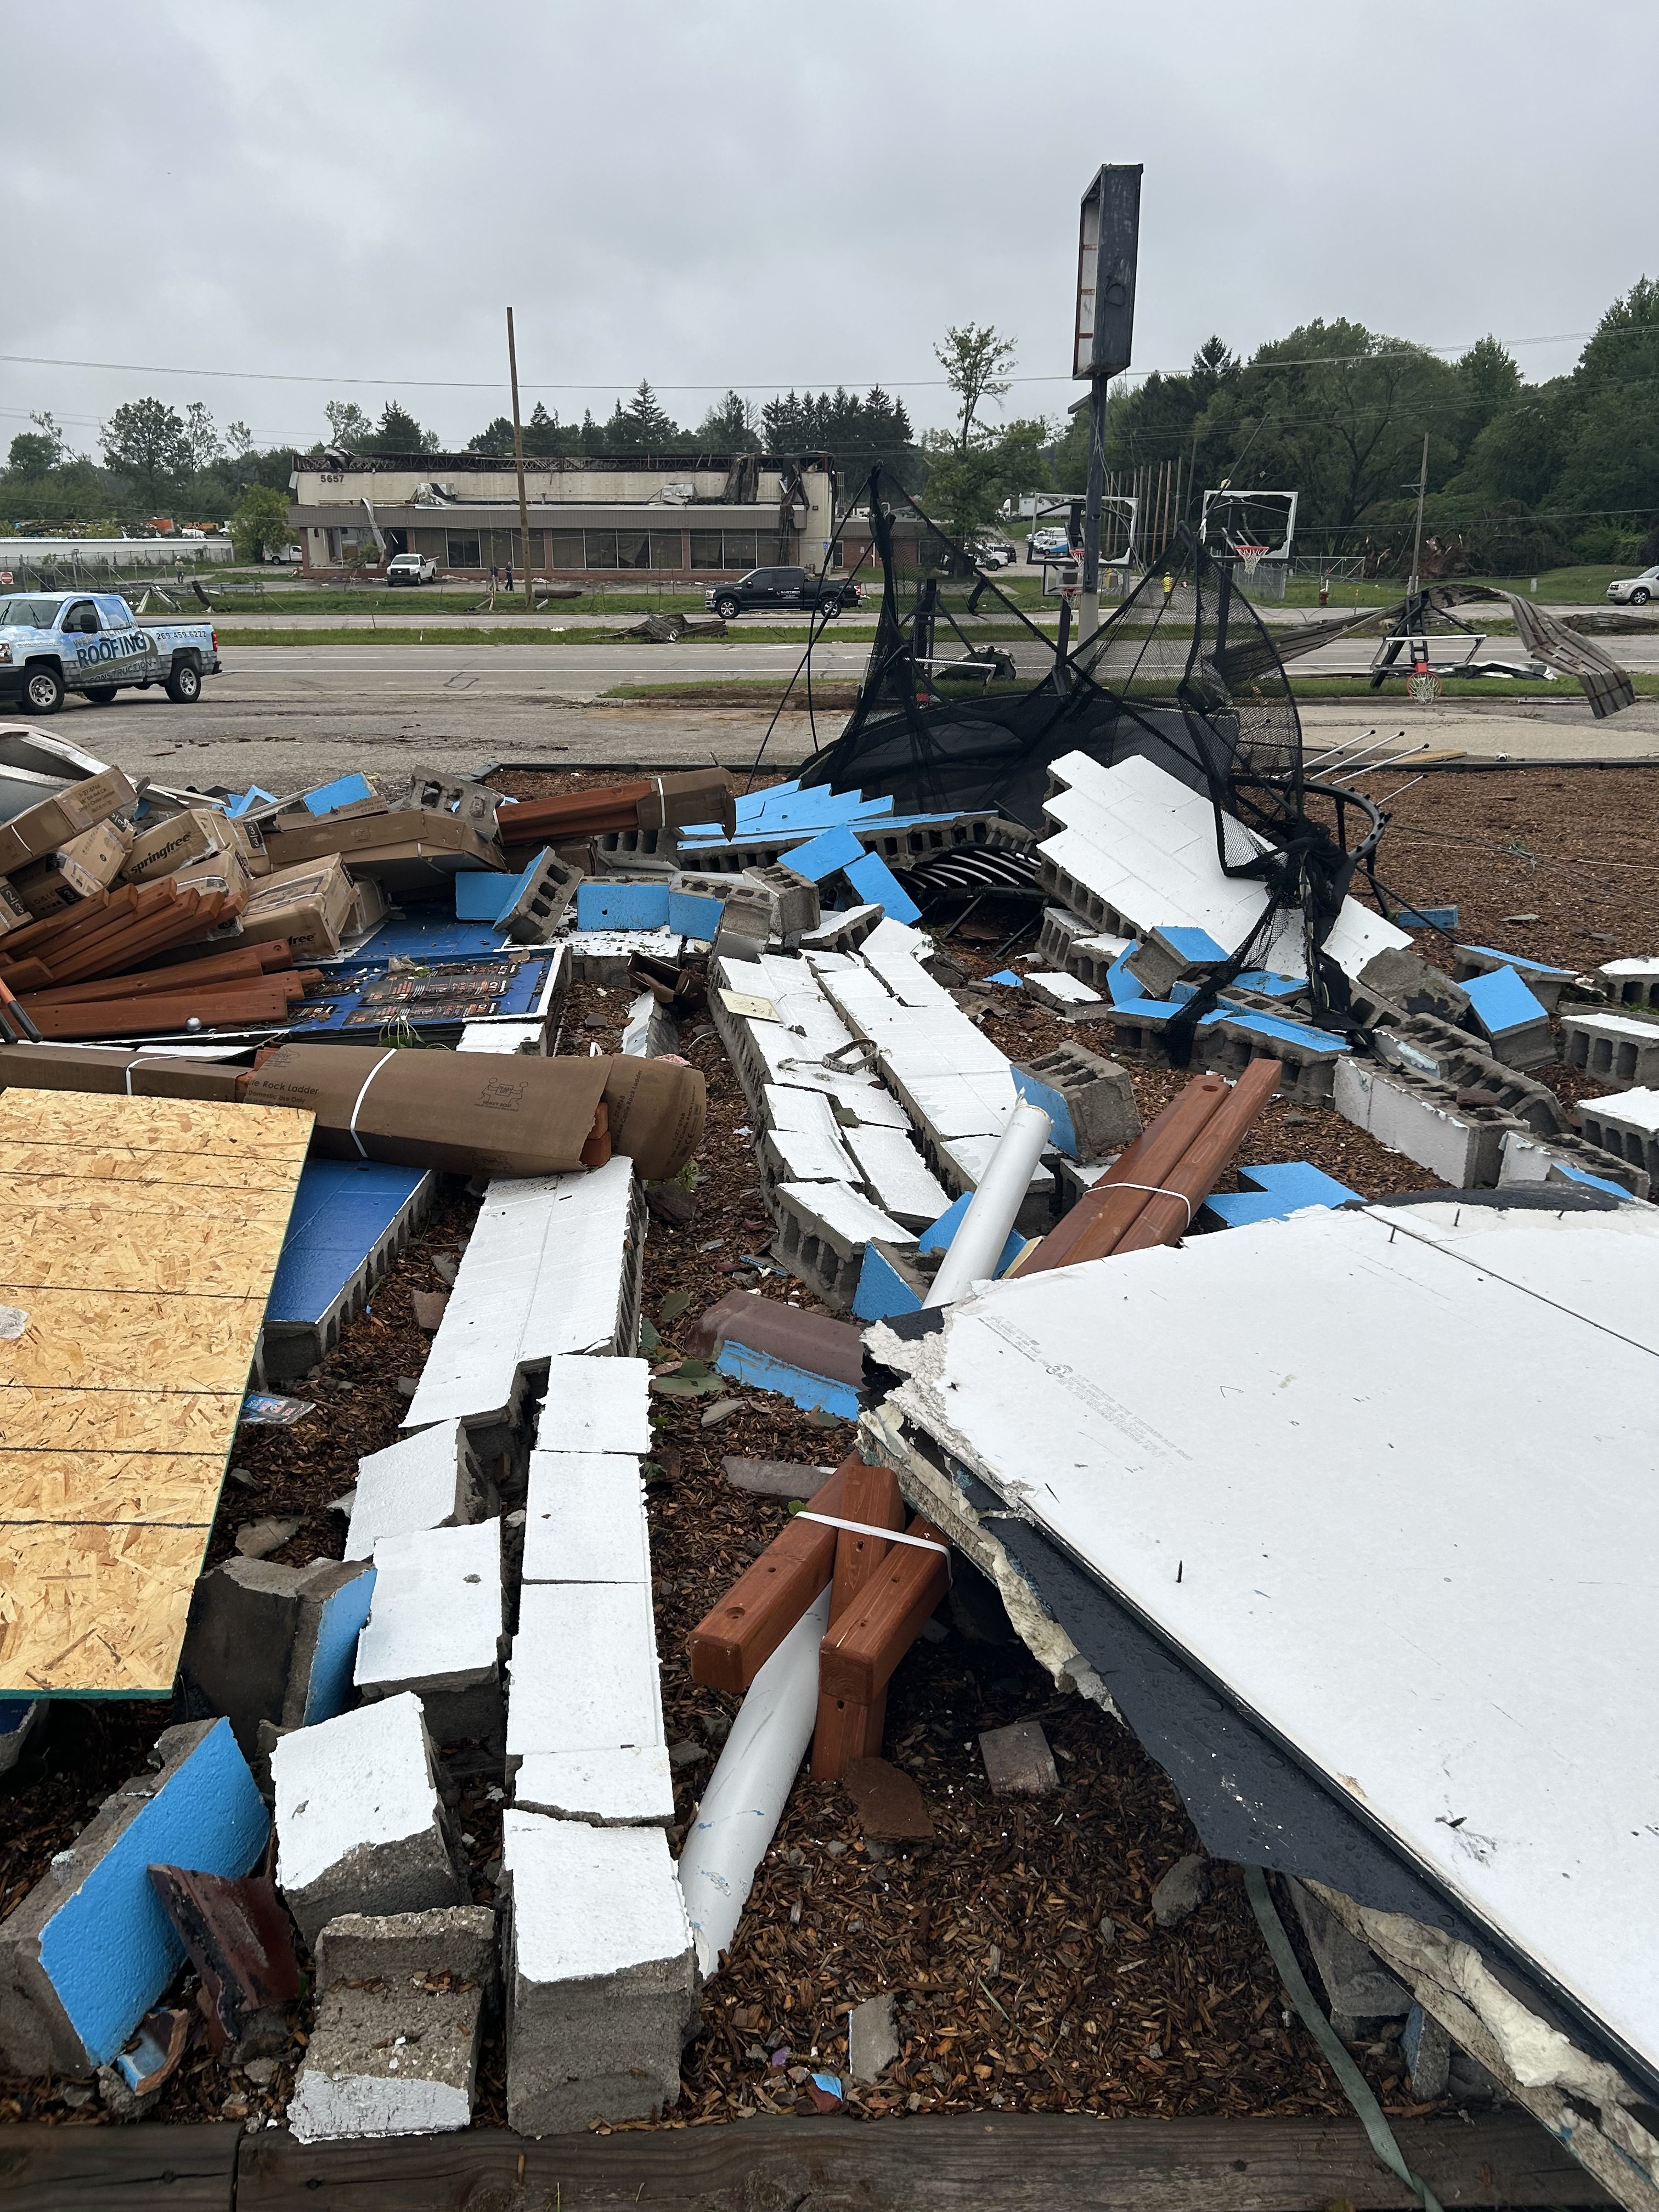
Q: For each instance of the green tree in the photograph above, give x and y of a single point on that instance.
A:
(644, 426)
(31, 454)
(965, 487)
(348, 426)
(202, 436)
(398, 432)
(1488, 383)
(974, 360)
(260, 527)
(494, 438)
(146, 440)
(732, 427)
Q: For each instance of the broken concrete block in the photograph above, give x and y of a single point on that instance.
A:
(360, 1826)
(1017, 1760)
(599, 1972)
(89, 1949)
(1512, 1018)
(545, 890)
(435, 1626)
(774, 1478)
(1410, 982)
(583, 1669)
(1090, 1100)
(394, 2048)
(426, 1481)
(624, 1785)
(1625, 1125)
(1427, 2050)
(1410, 1114)
(268, 1642)
(1181, 1890)
(1165, 958)
(1362, 1995)
(872, 2042)
(1619, 1048)
(1631, 982)
(585, 1519)
(843, 932)
(1544, 982)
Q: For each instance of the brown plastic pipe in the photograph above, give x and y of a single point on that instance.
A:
(1104, 1216)
(1164, 1219)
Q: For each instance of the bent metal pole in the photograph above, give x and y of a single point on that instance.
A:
(983, 1231)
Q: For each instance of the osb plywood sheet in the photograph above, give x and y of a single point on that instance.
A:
(138, 1245)
(114, 1420)
(93, 1610)
(19, 1164)
(95, 1247)
(93, 1340)
(107, 1486)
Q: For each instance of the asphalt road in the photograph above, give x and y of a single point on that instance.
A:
(284, 716)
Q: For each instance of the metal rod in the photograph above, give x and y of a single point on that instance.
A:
(1088, 611)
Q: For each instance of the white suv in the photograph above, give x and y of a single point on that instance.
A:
(1635, 590)
(410, 568)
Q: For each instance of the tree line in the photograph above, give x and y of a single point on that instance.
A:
(1520, 475)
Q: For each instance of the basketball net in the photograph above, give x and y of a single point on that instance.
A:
(1251, 556)
(1423, 685)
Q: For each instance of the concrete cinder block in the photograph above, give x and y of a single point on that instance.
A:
(1407, 978)
(599, 1972)
(427, 1481)
(1631, 982)
(796, 908)
(1625, 1125)
(274, 1643)
(1619, 1048)
(627, 1785)
(583, 1669)
(360, 1826)
(435, 1625)
(1462, 1146)
(1165, 958)
(542, 900)
(1363, 1996)
(1544, 982)
(366, 1947)
(596, 1406)
(823, 1228)
(89, 1949)
(585, 1519)
(843, 932)
(1090, 1099)
(1427, 1045)
(1529, 1159)
(1511, 1018)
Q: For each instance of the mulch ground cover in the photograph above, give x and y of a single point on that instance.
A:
(1020, 1943)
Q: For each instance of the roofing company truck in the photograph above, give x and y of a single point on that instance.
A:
(52, 642)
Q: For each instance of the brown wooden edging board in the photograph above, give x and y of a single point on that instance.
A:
(65, 2169)
(1019, 2162)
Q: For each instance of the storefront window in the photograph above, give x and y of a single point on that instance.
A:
(566, 548)
(633, 548)
(600, 549)
(666, 548)
(462, 552)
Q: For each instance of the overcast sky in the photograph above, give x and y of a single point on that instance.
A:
(766, 194)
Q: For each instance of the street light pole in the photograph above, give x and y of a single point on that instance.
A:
(1109, 244)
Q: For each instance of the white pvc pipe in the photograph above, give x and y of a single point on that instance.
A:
(983, 1231)
(747, 1791)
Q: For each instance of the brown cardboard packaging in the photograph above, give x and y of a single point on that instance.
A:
(43, 828)
(89, 863)
(700, 794)
(13, 914)
(308, 905)
(109, 1069)
(201, 833)
(368, 908)
(476, 1114)
(364, 840)
(218, 871)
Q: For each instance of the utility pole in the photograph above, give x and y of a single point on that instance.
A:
(1109, 244)
(517, 456)
(1417, 543)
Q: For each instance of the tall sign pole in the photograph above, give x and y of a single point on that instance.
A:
(517, 456)
(1109, 244)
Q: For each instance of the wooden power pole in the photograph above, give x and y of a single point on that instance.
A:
(517, 456)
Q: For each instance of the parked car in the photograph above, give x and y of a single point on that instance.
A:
(51, 644)
(410, 568)
(1051, 543)
(765, 589)
(993, 553)
(1635, 590)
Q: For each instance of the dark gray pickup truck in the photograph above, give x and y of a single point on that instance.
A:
(764, 591)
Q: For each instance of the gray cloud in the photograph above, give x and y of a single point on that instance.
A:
(732, 191)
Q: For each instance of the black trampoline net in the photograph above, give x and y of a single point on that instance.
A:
(966, 703)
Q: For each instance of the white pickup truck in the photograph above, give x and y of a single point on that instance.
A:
(52, 642)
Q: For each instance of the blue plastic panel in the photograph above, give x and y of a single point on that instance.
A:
(342, 1209)
(621, 905)
(485, 894)
(937, 1237)
(1427, 917)
(1283, 1187)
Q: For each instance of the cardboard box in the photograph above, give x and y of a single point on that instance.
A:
(367, 840)
(111, 1069)
(89, 863)
(218, 871)
(13, 914)
(368, 908)
(700, 794)
(201, 833)
(41, 829)
(474, 1114)
(308, 905)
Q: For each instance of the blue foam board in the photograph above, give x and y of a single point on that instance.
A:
(936, 1238)
(1282, 1188)
(1515, 960)
(877, 885)
(331, 1689)
(109, 1950)
(1427, 917)
(1267, 985)
(425, 933)
(1501, 1002)
(1269, 1025)
(621, 905)
(1192, 943)
(1061, 1133)
(1121, 987)
(882, 1290)
(826, 854)
(344, 790)
(694, 915)
(1007, 977)
(341, 1211)
(485, 894)
(799, 1384)
(1595, 1181)
(252, 796)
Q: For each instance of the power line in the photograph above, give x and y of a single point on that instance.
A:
(886, 384)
